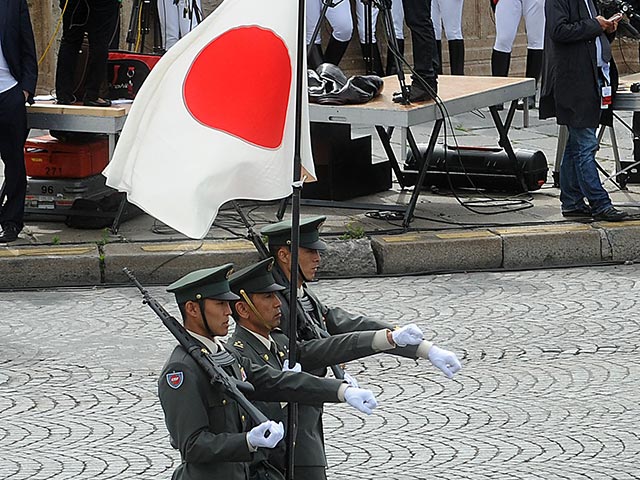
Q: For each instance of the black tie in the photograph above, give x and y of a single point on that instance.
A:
(604, 41)
(274, 352)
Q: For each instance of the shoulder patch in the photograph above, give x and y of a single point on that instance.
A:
(175, 379)
(238, 344)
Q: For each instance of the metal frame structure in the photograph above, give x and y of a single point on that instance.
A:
(385, 115)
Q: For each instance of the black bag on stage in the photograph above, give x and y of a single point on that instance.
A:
(127, 71)
(328, 85)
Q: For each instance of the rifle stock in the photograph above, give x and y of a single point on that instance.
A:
(201, 355)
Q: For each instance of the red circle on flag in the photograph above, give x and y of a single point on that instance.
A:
(240, 83)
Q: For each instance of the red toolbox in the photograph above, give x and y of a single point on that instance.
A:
(48, 157)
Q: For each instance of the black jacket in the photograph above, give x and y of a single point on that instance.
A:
(570, 90)
(18, 45)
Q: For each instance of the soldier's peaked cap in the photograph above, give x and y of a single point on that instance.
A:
(206, 283)
(280, 233)
(256, 278)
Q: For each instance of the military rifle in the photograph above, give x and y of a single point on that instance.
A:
(232, 386)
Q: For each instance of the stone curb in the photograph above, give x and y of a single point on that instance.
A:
(163, 263)
(408, 253)
(64, 265)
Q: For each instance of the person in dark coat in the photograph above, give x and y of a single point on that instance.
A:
(99, 20)
(578, 81)
(207, 425)
(18, 77)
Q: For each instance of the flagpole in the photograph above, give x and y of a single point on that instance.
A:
(292, 418)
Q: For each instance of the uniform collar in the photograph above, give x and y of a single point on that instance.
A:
(214, 345)
(265, 341)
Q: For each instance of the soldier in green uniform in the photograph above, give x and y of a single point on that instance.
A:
(257, 337)
(212, 433)
(316, 319)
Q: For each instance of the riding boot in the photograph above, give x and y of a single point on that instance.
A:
(500, 62)
(314, 56)
(376, 61)
(439, 59)
(456, 56)
(335, 51)
(392, 68)
(533, 70)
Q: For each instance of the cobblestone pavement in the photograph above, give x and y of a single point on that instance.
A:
(549, 389)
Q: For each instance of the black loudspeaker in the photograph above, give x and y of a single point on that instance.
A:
(479, 167)
(343, 166)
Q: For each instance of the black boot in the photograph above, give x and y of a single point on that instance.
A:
(500, 62)
(456, 56)
(314, 56)
(392, 68)
(376, 61)
(533, 70)
(439, 59)
(335, 51)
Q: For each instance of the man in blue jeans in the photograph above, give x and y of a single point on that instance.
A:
(578, 80)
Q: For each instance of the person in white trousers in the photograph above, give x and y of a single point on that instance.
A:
(448, 13)
(339, 17)
(177, 18)
(508, 14)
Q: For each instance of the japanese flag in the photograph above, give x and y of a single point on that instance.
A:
(215, 119)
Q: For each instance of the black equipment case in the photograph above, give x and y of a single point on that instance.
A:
(479, 167)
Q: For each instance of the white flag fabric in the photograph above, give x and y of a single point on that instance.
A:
(215, 119)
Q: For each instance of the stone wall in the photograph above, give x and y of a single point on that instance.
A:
(478, 28)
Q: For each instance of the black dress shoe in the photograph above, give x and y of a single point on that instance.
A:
(9, 233)
(98, 102)
(610, 215)
(418, 92)
(579, 213)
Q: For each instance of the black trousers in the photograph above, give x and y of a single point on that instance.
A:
(13, 133)
(99, 18)
(417, 16)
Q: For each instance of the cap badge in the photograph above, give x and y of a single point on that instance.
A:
(175, 379)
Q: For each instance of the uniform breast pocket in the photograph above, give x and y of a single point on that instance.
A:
(219, 413)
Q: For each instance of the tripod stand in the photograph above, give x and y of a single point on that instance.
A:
(143, 12)
(384, 7)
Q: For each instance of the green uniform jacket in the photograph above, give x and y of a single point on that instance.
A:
(312, 356)
(310, 444)
(207, 426)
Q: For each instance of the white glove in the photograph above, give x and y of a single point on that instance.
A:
(350, 380)
(257, 436)
(444, 360)
(361, 399)
(296, 368)
(407, 335)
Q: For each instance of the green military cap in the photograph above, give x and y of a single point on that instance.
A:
(256, 278)
(280, 233)
(206, 283)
